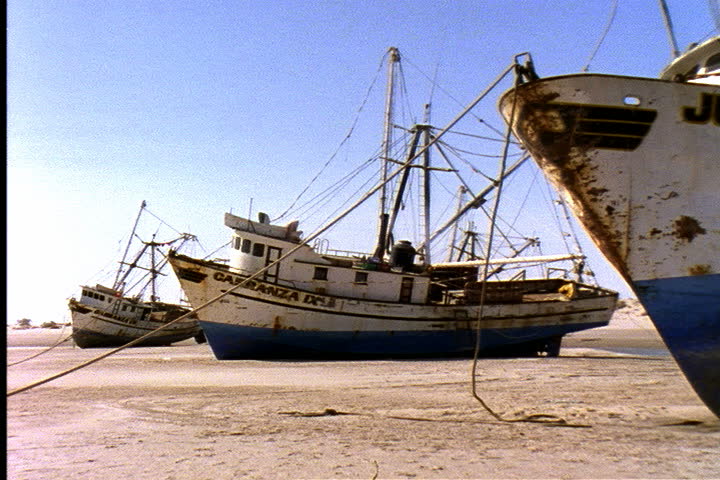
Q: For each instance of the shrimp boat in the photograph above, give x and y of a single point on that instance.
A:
(638, 160)
(280, 297)
(114, 316)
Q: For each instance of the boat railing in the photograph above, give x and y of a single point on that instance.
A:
(347, 253)
(322, 247)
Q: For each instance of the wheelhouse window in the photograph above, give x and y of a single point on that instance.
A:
(245, 248)
(361, 278)
(406, 288)
(713, 63)
(321, 273)
(258, 250)
(237, 242)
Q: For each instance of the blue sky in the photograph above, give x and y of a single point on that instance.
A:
(202, 107)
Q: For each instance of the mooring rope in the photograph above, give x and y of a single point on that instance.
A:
(60, 342)
(535, 418)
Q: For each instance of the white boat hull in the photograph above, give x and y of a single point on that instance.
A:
(97, 328)
(261, 319)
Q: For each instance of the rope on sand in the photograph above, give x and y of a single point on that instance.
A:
(42, 352)
(548, 420)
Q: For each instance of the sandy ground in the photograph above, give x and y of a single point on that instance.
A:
(177, 413)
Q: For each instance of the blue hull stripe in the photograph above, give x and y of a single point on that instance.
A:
(686, 312)
(233, 342)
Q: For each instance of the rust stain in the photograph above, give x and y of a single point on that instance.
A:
(687, 228)
(276, 325)
(565, 162)
(596, 192)
(702, 269)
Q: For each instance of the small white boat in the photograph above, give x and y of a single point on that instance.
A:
(112, 317)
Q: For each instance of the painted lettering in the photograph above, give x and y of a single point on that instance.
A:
(275, 291)
(707, 111)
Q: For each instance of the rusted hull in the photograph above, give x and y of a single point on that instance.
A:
(96, 328)
(638, 161)
(265, 320)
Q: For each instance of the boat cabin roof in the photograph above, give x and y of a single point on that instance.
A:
(700, 64)
(263, 227)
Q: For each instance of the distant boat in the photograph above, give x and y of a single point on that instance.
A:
(638, 159)
(392, 301)
(111, 317)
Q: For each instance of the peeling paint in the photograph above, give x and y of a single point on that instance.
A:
(687, 228)
(699, 270)
(551, 137)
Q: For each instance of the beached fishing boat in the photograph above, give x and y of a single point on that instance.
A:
(281, 297)
(113, 316)
(638, 160)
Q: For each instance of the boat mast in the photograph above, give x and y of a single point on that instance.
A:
(426, 187)
(117, 283)
(401, 184)
(393, 59)
(669, 28)
(453, 236)
(153, 271)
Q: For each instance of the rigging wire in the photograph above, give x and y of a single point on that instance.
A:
(547, 193)
(483, 137)
(226, 244)
(329, 195)
(451, 97)
(342, 143)
(611, 18)
(163, 222)
(527, 197)
(475, 154)
(332, 191)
